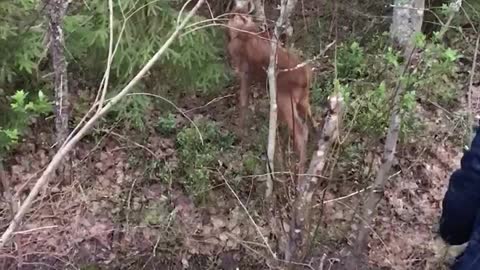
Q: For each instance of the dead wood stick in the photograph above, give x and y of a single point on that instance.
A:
(307, 185)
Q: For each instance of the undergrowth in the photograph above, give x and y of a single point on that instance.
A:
(22, 111)
(197, 159)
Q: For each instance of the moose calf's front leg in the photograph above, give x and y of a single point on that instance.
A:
(287, 109)
(243, 99)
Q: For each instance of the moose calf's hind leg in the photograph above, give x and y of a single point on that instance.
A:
(298, 130)
(243, 100)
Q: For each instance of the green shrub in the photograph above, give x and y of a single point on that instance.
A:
(437, 73)
(20, 39)
(19, 117)
(196, 159)
(167, 125)
(368, 79)
(351, 61)
(132, 111)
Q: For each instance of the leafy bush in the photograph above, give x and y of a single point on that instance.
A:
(132, 111)
(367, 80)
(20, 39)
(197, 159)
(166, 125)
(351, 61)
(437, 72)
(369, 101)
(19, 117)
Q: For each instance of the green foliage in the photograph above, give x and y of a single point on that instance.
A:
(20, 39)
(351, 61)
(167, 125)
(197, 159)
(368, 78)
(132, 111)
(369, 102)
(436, 73)
(22, 112)
(193, 61)
(250, 163)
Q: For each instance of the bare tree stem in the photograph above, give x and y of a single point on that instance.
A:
(56, 10)
(376, 192)
(307, 184)
(272, 83)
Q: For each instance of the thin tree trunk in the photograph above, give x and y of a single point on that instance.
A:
(272, 84)
(260, 11)
(55, 13)
(408, 19)
(288, 24)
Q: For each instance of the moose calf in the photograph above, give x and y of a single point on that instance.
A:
(249, 51)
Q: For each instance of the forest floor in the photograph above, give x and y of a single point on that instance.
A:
(112, 213)
(115, 211)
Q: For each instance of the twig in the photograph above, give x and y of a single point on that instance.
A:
(343, 197)
(309, 60)
(131, 141)
(35, 229)
(217, 99)
(322, 261)
(109, 59)
(470, 90)
(64, 150)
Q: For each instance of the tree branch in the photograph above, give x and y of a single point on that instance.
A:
(272, 83)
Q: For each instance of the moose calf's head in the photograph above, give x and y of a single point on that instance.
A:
(241, 6)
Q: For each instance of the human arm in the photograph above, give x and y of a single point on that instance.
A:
(462, 199)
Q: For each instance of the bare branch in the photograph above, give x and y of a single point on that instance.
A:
(272, 86)
(470, 90)
(309, 60)
(106, 77)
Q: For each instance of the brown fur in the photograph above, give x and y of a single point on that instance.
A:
(250, 57)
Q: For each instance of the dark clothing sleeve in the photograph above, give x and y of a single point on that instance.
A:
(462, 199)
(460, 220)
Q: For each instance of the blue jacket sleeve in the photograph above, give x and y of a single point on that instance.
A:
(462, 199)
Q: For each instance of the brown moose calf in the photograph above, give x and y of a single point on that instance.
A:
(249, 51)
